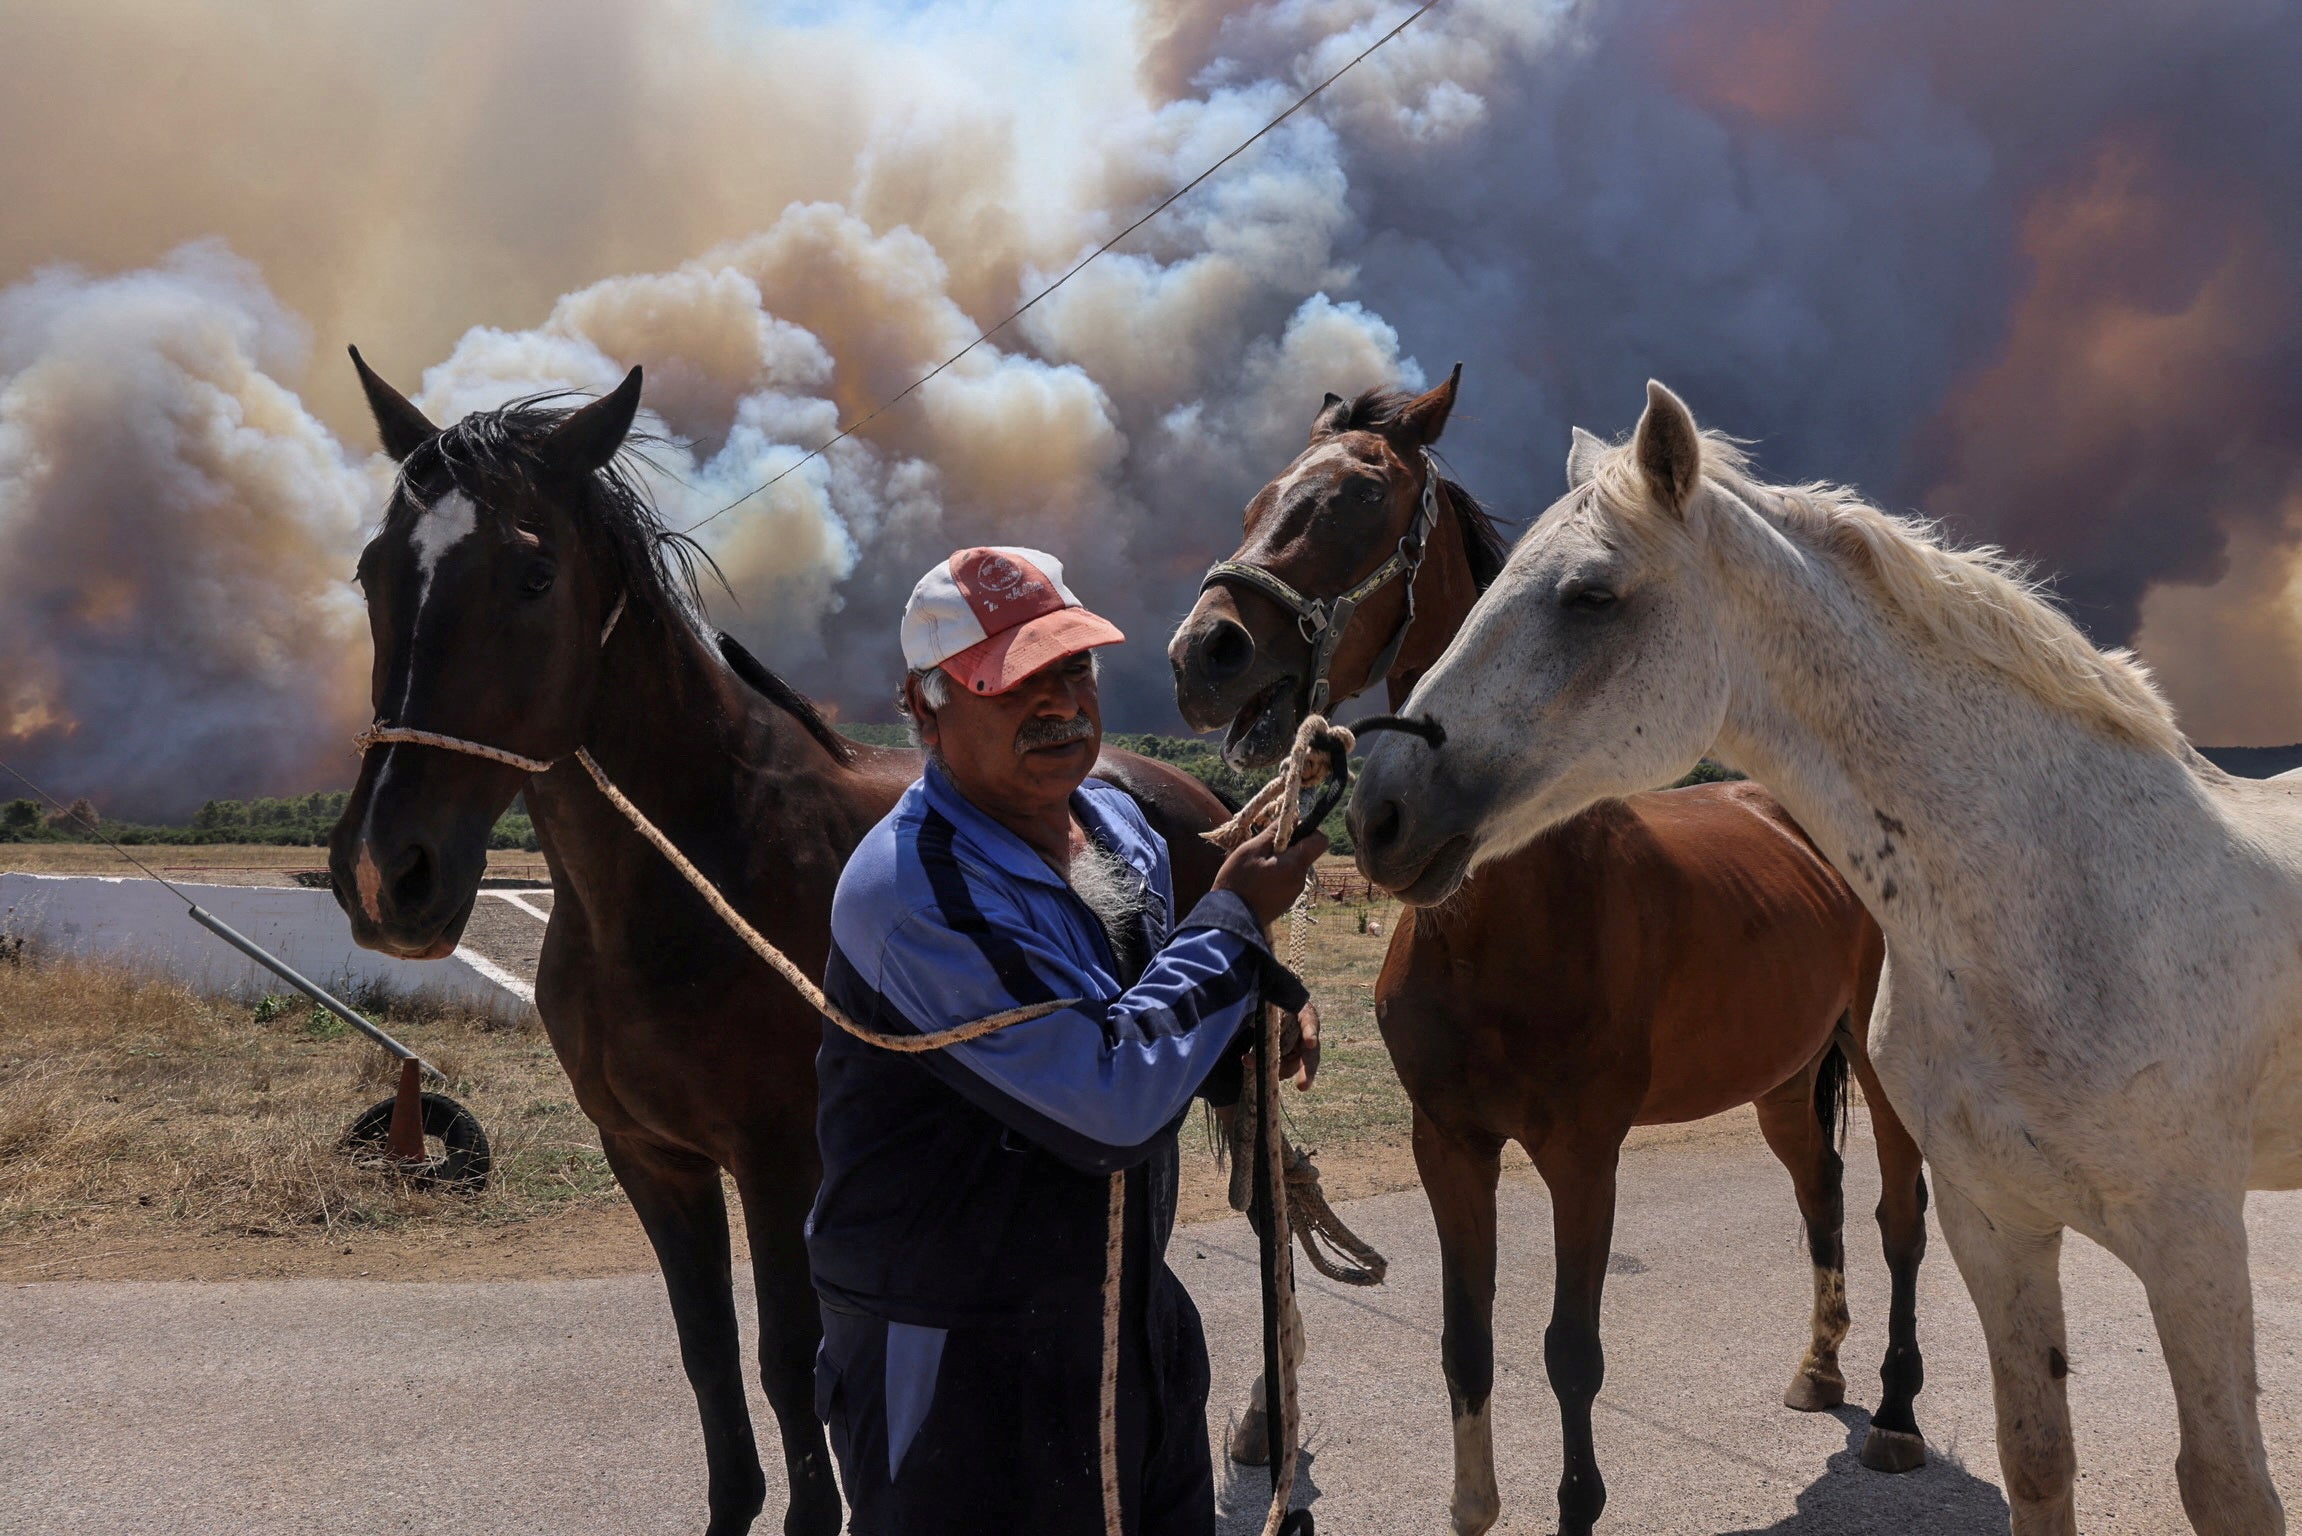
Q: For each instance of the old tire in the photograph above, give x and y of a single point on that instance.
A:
(464, 1160)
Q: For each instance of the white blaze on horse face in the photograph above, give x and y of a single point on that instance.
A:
(441, 527)
(1315, 461)
(1321, 459)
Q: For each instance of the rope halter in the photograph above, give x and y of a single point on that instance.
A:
(379, 734)
(1323, 622)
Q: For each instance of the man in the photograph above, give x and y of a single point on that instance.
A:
(958, 1240)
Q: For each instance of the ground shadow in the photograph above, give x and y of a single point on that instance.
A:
(1940, 1499)
(1243, 1494)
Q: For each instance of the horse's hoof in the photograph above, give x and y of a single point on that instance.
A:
(1251, 1441)
(1476, 1517)
(1809, 1393)
(1892, 1450)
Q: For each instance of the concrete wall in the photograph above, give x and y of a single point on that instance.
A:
(143, 924)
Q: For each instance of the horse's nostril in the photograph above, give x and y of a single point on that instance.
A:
(1228, 651)
(412, 884)
(1384, 826)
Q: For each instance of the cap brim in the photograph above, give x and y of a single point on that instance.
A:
(1007, 658)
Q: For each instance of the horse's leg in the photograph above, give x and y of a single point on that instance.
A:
(1581, 1176)
(2191, 1257)
(1894, 1443)
(1793, 1124)
(677, 1197)
(1459, 1180)
(778, 1186)
(2014, 1276)
(1251, 1437)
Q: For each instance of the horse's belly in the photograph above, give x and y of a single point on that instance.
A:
(1697, 1076)
(2277, 1148)
(1725, 1034)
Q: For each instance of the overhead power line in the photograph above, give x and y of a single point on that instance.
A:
(1076, 267)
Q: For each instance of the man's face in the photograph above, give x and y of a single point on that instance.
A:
(1024, 750)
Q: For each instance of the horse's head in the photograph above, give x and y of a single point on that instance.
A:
(1592, 667)
(488, 590)
(1358, 499)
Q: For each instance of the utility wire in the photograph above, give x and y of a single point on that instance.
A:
(65, 810)
(1171, 199)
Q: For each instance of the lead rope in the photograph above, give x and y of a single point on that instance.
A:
(1115, 1225)
(1277, 804)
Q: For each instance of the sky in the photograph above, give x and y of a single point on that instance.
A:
(2028, 269)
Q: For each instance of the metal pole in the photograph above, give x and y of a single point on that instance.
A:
(309, 988)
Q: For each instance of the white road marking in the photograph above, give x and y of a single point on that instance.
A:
(519, 899)
(497, 974)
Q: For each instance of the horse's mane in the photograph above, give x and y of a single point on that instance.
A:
(1484, 544)
(776, 691)
(660, 567)
(1981, 600)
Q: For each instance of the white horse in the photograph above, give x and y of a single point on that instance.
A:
(2094, 974)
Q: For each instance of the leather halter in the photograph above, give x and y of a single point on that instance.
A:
(1324, 622)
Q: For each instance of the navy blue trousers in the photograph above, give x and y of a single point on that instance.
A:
(994, 1430)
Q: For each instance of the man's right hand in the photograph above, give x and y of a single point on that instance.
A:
(1269, 881)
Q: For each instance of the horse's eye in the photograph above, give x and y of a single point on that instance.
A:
(1590, 599)
(536, 580)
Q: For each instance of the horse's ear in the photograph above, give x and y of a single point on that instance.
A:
(1584, 450)
(588, 440)
(1425, 416)
(402, 427)
(1669, 449)
(1334, 411)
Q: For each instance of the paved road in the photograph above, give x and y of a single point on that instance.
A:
(559, 1407)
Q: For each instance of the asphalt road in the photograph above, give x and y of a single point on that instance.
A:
(558, 1406)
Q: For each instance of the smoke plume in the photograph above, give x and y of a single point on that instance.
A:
(2026, 267)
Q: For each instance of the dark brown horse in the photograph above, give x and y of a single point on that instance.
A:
(1658, 959)
(523, 594)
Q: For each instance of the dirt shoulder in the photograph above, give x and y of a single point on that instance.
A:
(591, 1242)
(147, 1133)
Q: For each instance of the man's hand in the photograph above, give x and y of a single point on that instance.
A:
(1269, 882)
(1299, 1048)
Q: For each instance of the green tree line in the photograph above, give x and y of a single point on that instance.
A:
(290, 821)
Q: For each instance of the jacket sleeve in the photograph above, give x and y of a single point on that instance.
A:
(1096, 1084)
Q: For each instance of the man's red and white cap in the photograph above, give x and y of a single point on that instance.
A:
(993, 615)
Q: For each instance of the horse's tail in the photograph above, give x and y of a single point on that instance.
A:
(1831, 1101)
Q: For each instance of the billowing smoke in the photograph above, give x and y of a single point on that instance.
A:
(2027, 267)
(175, 537)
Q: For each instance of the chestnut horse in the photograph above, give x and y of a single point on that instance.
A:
(1657, 959)
(523, 594)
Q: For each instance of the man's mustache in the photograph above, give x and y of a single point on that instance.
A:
(1052, 733)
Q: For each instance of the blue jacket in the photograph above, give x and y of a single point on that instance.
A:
(966, 1185)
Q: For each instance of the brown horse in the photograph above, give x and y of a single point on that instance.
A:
(522, 594)
(1658, 959)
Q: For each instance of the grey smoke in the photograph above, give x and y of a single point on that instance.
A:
(2030, 267)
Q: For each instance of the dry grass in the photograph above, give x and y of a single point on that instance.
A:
(135, 1112)
(129, 1104)
(1357, 1107)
